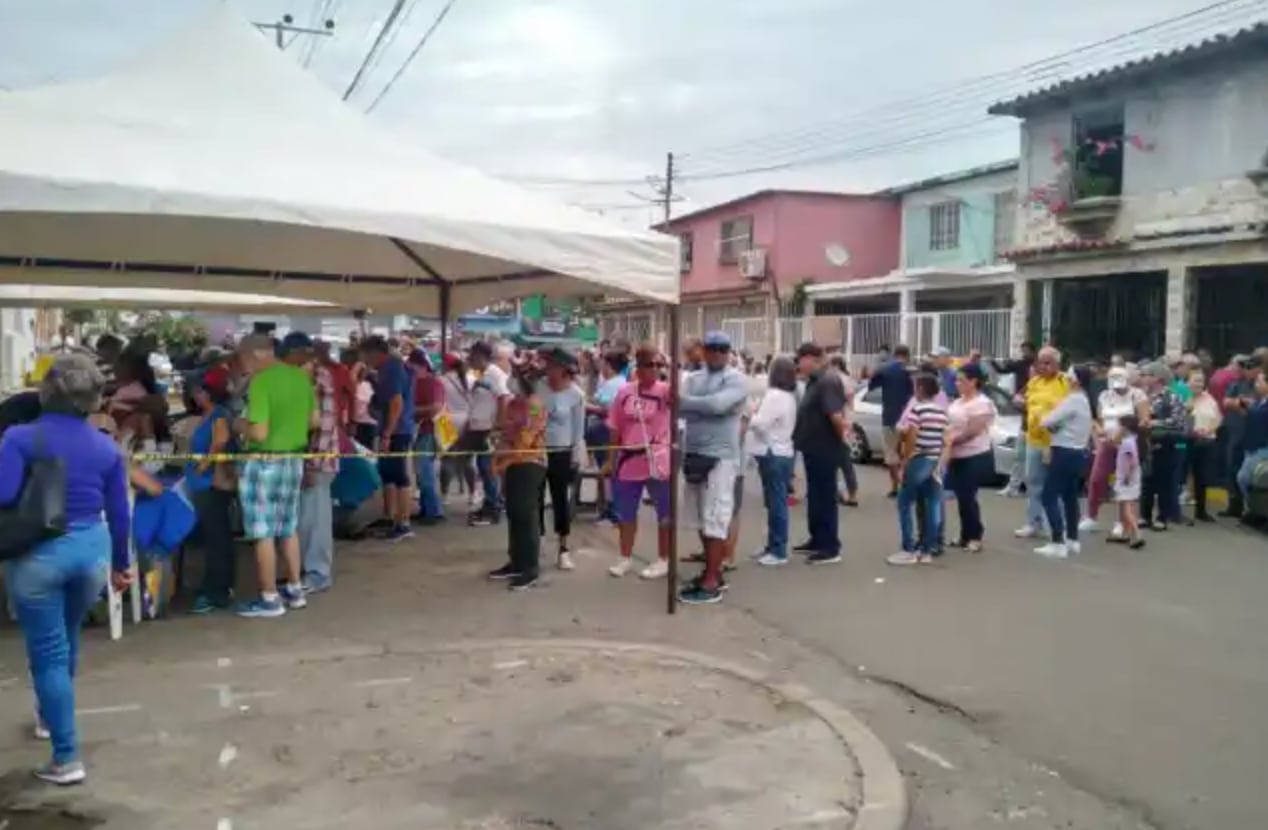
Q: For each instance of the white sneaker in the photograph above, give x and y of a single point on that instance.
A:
(1010, 492)
(1026, 532)
(565, 562)
(41, 731)
(1118, 529)
(62, 775)
(657, 570)
(621, 568)
(1053, 550)
(1075, 548)
(770, 560)
(1089, 525)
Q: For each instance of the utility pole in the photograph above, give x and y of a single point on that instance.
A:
(668, 191)
(287, 25)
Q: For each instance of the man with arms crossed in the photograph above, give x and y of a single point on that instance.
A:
(281, 410)
(712, 402)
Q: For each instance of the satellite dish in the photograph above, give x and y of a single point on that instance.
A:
(837, 254)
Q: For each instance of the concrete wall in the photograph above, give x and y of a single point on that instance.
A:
(977, 222)
(866, 227)
(1205, 131)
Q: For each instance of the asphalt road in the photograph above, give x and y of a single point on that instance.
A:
(1119, 690)
(1139, 676)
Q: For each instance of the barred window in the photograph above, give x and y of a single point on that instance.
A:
(944, 226)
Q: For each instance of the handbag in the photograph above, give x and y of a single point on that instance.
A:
(40, 511)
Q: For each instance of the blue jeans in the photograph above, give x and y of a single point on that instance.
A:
(821, 499)
(1036, 474)
(776, 472)
(1247, 469)
(1061, 492)
(919, 487)
(425, 468)
(53, 587)
(479, 441)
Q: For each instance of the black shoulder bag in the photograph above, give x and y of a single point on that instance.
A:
(40, 511)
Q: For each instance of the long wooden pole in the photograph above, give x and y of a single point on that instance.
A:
(675, 448)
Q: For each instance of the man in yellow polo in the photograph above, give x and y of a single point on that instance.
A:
(1045, 389)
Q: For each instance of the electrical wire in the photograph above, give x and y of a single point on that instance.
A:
(324, 10)
(391, 39)
(775, 152)
(418, 47)
(939, 136)
(988, 88)
(374, 47)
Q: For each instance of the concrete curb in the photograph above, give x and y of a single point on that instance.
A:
(884, 793)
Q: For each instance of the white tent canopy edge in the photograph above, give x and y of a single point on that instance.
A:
(215, 163)
(138, 299)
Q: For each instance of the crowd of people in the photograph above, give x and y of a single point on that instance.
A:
(270, 427)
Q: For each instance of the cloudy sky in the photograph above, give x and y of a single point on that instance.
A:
(829, 94)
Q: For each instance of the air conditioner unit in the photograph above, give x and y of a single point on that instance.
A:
(753, 263)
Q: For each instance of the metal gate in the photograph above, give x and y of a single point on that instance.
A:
(751, 335)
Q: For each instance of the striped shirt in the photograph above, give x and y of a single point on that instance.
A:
(930, 422)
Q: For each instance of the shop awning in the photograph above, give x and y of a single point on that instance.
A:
(215, 162)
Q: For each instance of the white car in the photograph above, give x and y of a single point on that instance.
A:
(869, 442)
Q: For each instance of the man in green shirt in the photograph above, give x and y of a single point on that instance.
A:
(281, 410)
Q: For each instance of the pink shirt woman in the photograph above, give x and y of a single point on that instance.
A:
(639, 419)
(972, 418)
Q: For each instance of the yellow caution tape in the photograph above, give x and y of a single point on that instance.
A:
(323, 456)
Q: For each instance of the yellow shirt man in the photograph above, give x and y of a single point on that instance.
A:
(1042, 395)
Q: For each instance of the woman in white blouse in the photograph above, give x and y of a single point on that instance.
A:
(1119, 399)
(770, 441)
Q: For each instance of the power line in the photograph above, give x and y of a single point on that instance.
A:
(418, 47)
(788, 150)
(374, 47)
(322, 10)
(930, 137)
(391, 38)
(1025, 76)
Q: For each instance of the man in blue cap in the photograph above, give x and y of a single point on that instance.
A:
(394, 395)
(712, 403)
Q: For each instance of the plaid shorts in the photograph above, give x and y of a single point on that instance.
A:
(269, 493)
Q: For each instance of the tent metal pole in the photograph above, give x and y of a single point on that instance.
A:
(444, 320)
(675, 457)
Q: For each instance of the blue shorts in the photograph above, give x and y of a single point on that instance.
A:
(268, 490)
(394, 471)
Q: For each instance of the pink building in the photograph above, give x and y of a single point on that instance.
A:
(739, 248)
(740, 256)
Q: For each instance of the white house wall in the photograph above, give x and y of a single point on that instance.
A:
(1205, 132)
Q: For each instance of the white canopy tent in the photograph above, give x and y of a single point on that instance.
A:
(135, 299)
(215, 162)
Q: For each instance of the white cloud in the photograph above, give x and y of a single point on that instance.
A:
(603, 88)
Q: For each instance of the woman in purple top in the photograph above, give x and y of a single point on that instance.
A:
(53, 585)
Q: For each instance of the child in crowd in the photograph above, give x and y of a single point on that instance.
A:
(924, 450)
(1127, 479)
